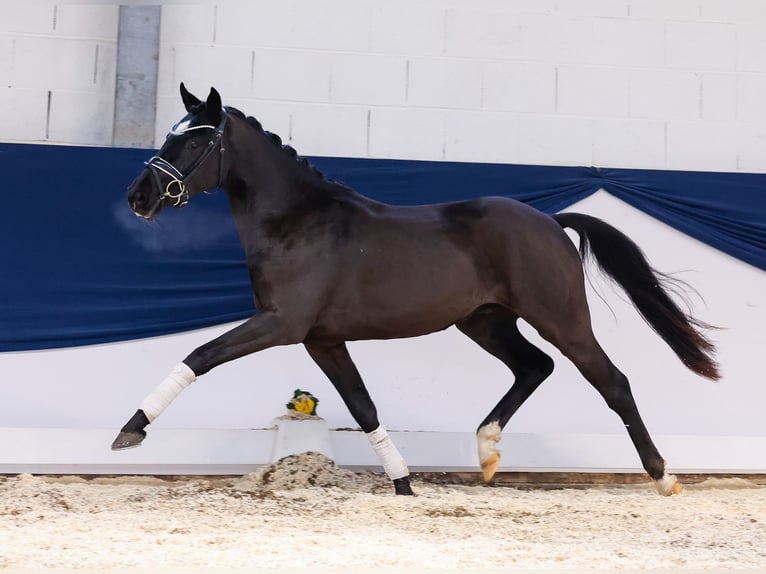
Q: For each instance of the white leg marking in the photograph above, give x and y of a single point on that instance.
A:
(488, 437)
(392, 461)
(178, 379)
(665, 485)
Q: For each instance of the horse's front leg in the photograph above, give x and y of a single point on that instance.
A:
(336, 363)
(259, 332)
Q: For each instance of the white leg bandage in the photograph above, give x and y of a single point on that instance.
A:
(178, 379)
(392, 461)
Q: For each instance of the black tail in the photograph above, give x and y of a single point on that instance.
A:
(624, 262)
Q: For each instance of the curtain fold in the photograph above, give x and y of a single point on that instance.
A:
(79, 268)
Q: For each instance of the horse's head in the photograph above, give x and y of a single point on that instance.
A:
(190, 161)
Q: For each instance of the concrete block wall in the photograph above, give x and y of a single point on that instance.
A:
(57, 72)
(613, 83)
(622, 83)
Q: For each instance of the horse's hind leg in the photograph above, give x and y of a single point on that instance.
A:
(336, 363)
(574, 337)
(495, 330)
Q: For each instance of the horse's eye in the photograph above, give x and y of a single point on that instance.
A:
(194, 144)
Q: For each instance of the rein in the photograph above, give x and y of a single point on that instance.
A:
(177, 177)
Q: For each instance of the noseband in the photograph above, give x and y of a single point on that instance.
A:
(177, 177)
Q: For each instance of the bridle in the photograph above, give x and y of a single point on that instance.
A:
(177, 177)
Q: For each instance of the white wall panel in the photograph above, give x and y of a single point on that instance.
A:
(519, 87)
(368, 79)
(315, 130)
(719, 97)
(665, 94)
(444, 83)
(628, 143)
(403, 132)
(482, 137)
(709, 146)
(593, 91)
(701, 45)
(81, 118)
(29, 125)
(413, 28)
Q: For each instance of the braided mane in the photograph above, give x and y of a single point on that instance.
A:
(287, 149)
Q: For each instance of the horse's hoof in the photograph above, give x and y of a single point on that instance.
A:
(489, 466)
(127, 440)
(402, 486)
(668, 485)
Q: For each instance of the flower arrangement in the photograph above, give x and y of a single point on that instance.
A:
(303, 402)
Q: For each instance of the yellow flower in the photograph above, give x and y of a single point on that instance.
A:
(305, 405)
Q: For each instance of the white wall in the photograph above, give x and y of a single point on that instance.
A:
(57, 72)
(648, 84)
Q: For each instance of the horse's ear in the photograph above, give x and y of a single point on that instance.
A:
(189, 99)
(213, 105)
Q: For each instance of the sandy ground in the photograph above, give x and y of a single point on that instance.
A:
(305, 512)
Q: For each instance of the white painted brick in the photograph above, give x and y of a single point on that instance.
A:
(701, 45)
(629, 143)
(476, 33)
(170, 109)
(600, 8)
(407, 133)
(481, 137)
(6, 60)
(167, 84)
(751, 48)
(751, 98)
(719, 97)
(55, 63)
(291, 75)
(226, 68)
(368, 79)
(664, 10)
(737, 11)
(666, 94)
(178, 21)
(329, 130)
(625, 42)
(555, 140)
(593, 91)
(444, 83)
(519, 86)
(751, 145)
(702, 146)
(88, 21)
(22, 114)
(81, 118)
(27, 17)
(332, 25)
(557, 38)
(403, 27)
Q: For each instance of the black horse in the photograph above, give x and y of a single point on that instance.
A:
(328, 265)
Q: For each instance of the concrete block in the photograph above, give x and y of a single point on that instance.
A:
(368, 79)
(23, 114)
(735, 11)
(719, 97)
(407, 133)
(598, 8)
(481, 137)
(626, 42)
(593, 91)
(81, 117)
(179, 19)
(665, 94)
(274, 116)
(624, 143)
(751, 48)
(330, 130)
(555, 140)
(751, 147)
(702, 146)
(519, 86)
(298, 436)
(57, 63)
(479, 32)
(751, 97)
(227, 68)
(291, 75)
(444, 83)
(661, 11)
(255, 23)
(87, 21)
(556, 38)
(332, 25)
(6, 60)
(420, 33)
(701, 45)
(27, 17)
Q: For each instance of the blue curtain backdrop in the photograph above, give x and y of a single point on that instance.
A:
(79, 268)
